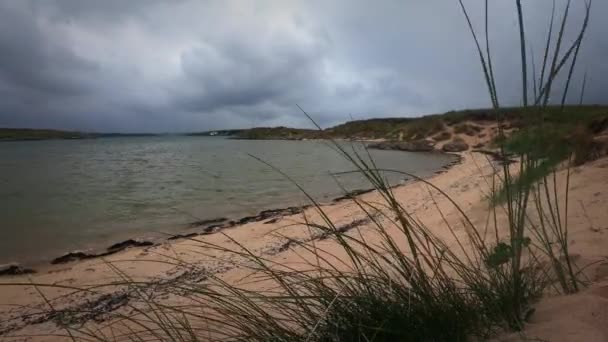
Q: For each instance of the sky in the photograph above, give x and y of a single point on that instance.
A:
(195, 65)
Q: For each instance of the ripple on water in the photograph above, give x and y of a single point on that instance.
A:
(79, 194)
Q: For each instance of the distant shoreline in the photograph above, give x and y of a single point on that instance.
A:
(26, 134)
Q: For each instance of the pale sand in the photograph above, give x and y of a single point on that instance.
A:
(578, 317)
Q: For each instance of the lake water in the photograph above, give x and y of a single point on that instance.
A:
(57, 196)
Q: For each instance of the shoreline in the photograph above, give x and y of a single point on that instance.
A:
(202, 227)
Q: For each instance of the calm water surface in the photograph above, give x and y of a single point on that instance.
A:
(57, 196)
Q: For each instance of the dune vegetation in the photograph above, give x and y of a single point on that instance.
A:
(427, 126)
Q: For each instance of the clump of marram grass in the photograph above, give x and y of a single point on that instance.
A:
(538, 155)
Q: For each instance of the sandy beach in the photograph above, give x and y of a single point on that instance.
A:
(468, 184)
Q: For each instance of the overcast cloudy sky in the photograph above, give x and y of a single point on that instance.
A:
(180, 65)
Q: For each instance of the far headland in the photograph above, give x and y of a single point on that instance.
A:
(389, 128)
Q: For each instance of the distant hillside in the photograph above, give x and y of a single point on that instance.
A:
(121, 135)
(403, 129)
(279, 133)
(408, 129)
(11, 134)
(370, 128)
(17, 134)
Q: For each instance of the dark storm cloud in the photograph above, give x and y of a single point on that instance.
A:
(230, 74)
(31, 61)
(194, 65)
